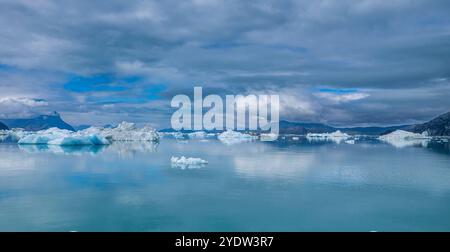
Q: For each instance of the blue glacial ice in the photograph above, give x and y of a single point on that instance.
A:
(91, 136)
(55, 136)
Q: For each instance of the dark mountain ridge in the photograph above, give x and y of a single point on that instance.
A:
(3, 126)
(439, 126)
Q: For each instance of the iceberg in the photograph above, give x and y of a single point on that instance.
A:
(15, 133)
(79, 140)
(187, 163)
(351, 141)
(336, 136)
(175, 134)
(55, 136)
(125, 131)
(268, 137)
(402, 138)
(232, 137)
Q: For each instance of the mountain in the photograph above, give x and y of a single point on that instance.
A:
(287, 127)
(439, 126)
(299, 128)
(373, 130)
(39, 123)
(3, 126)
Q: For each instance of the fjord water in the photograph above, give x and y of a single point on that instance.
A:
(257, 186)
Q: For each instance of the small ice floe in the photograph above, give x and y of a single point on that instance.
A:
(230, 137)
(268, 137)
(197, 135)
(295, 138)
(336, 136)
(125, 131)
(402, 138)
(188, 162)
(178, 135)
(55, 136)
(350, 141)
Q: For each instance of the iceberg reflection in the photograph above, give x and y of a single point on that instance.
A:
(57, 149)
(129, 149)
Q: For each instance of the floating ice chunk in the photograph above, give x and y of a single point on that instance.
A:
(336, 136)
(55, 136)
(197, 135)
(295, 138)
(402, 134)
(232, 137)
(268, 137)
(188, 163)
(125, 132)
(79, 140)
(37, 139)
(44, 136)
(350, 141)
(401, 138)
(337, 133)
(175, 134)
(211, 135)
(15, 133)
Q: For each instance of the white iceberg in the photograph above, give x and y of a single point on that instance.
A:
(336, 136)
(15, 133)
(90, 136)
(350, 141)
(402, 138)
(124, 132)
(232, 137)
(188, 163)
(55, 136)
(268, 137)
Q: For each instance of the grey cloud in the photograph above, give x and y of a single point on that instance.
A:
(393, 51)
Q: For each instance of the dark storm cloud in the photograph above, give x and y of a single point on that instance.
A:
(394, 54)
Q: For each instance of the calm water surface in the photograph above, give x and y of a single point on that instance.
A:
(257, 186)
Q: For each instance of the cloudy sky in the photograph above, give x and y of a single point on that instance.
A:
(339, 62)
